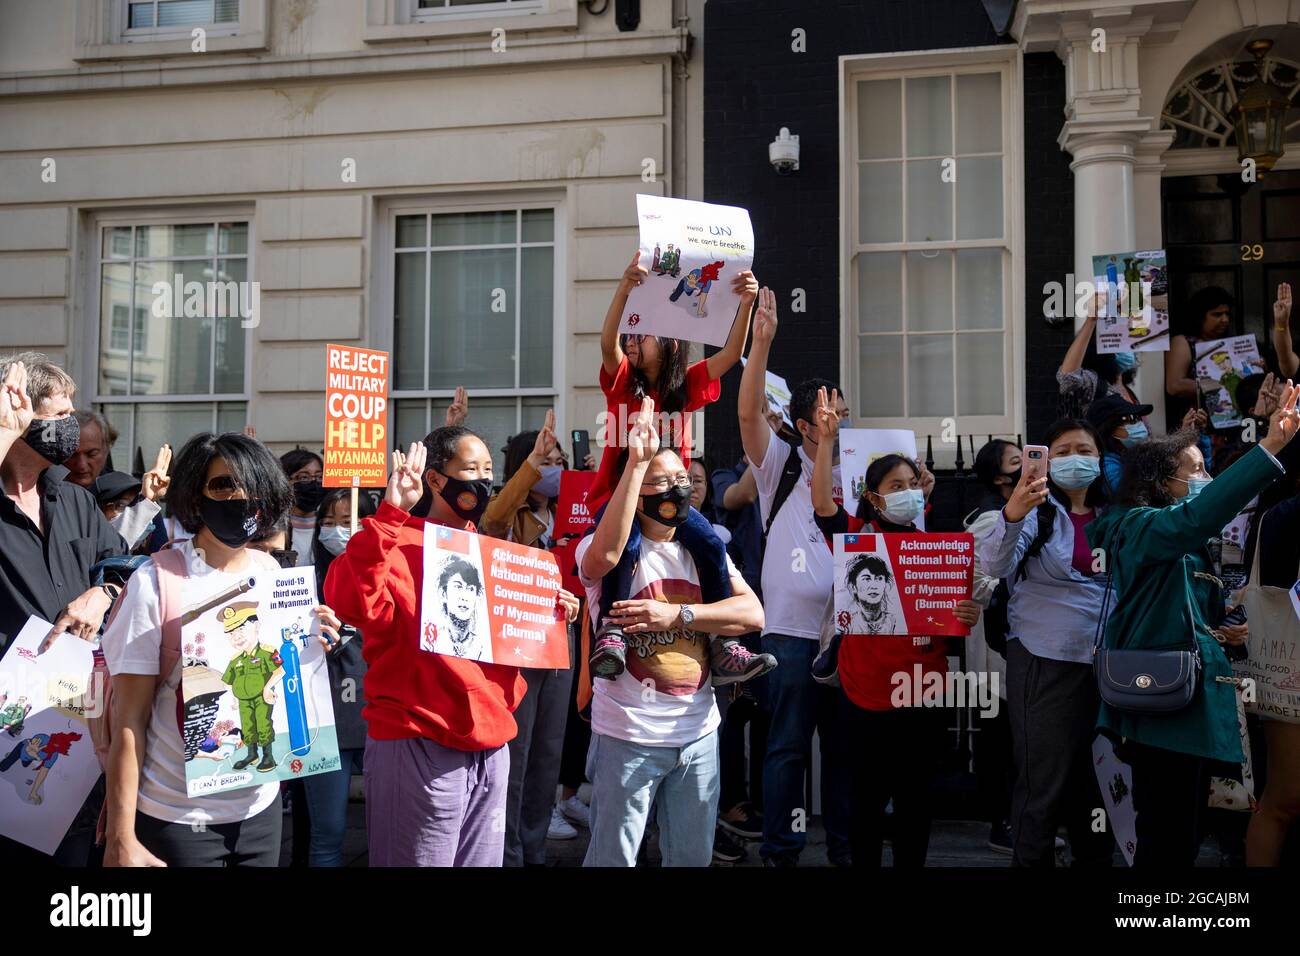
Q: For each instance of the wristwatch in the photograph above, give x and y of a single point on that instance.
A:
(687, 616)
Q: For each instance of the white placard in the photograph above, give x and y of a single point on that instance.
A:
(47, 759)
(693, 251)
(859, 447)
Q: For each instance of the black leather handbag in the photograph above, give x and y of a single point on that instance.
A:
(1143, 681)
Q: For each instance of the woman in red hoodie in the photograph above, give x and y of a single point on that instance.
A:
(436, 765)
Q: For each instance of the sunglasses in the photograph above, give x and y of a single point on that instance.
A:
(222, 488)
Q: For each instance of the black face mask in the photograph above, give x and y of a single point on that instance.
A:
(308, 494)
(55, 439)
(233, 522)
(1013, 477)
(469, 499)
(670, 508)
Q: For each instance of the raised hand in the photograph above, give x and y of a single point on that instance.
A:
(16, 411)
(642, 439)
(458, 410)
(634, 274)
(764, 327)
(546, 441)
(825, 416)
(926, 479)
(1284, 422)
(155, 481)
(745, 285)
(1027, 496)
(1269, 392)
(406, 483)
(1282, 306)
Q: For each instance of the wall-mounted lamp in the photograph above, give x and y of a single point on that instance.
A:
(783, 153)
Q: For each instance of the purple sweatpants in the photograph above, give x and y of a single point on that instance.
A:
(429, 805)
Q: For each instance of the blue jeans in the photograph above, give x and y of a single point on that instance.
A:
(628, 779)
(327, 802)
(799, 705)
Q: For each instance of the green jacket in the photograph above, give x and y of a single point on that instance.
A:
(1160, 566)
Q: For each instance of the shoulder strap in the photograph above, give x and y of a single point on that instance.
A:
(791, 472)
(1105, 600)
(170, 565)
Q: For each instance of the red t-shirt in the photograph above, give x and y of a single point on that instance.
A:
(700, 391)
(1082, 557)
(867, 664)
(375, 585)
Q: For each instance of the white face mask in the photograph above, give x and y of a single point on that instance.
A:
(903, 507)
(335, 539)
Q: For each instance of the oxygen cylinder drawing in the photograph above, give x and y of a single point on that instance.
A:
(1112, 290)
(295, 703)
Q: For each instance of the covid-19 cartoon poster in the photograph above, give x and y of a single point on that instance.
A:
(47, 759)
(693, 251)
(255, 686)
(1221, 364)
(1135, 313)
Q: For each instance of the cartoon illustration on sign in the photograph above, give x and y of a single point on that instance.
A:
(42, 750)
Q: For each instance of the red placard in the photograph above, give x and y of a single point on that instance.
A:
(566, 554)
(572, 516)
(490, 600)
(902, 583)
(356, 417)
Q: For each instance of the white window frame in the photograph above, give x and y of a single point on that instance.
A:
(102, 33)
(1006, 60)
(401, 21)
(508, 8)
(93, 238)
(383, 331)
(129, 34)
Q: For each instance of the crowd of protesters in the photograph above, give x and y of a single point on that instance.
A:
(704, 657)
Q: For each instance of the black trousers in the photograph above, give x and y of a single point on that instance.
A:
(995, 770)
(891, 754)
(1053, 707)
(577, 732)
(1170, 791)
(252, 842)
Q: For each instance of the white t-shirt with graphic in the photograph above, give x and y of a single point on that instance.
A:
(798, 568)
(130, 645)
(664, 698)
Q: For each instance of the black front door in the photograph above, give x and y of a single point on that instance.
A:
(1244, 237)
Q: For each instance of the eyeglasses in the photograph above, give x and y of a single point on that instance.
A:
(223, 488)
(663, 484)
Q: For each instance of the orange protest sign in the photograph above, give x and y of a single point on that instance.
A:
(356, 417)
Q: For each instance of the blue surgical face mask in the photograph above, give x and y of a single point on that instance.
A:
(1136, 432)
(903, 507)
(334, 539)
(548, 486)
(1194, 486)
(1073, 472)
(1126, 361)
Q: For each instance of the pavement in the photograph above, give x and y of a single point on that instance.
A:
(953, 843)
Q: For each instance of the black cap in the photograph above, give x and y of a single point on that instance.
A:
(1111, 407)
(112, 485)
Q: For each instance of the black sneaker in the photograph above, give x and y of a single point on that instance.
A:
(1000, 837)
(749, 826)
(609, 652)
(726, 850)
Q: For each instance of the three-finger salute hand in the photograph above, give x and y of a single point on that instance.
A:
(406, 484)
(765, 318)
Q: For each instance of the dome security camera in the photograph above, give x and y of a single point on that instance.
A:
(783, 153)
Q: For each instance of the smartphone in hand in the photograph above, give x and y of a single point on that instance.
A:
(581, 448)
(1034, 459)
